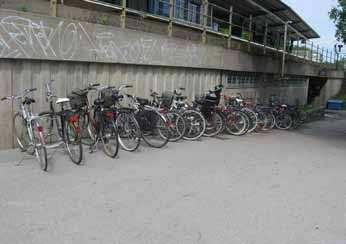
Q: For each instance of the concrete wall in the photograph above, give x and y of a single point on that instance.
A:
(331, 89)
(36, 48)
(30, 36)
(16, 75)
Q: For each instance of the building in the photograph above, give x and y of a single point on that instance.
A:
(255, 47)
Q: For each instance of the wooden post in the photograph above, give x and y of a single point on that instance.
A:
(171, 16)
(53, 8)
(250, 33)
(265, 38)
(205, 20)
(284, 52)
(229, 43)
(123, 14)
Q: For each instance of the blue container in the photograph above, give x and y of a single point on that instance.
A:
(335, 104)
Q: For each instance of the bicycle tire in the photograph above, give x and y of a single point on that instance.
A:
(280, 117)
(218, 126)
(157, 123)
(177, 126)
(23, 140)
(232, 126)
(73, 139)
(110, 139)
(128, 128)
(195, 125)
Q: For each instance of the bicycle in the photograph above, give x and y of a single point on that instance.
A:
(27, 128)
(208, 105)
(104, 118)
(176, 122)
(128, 127)
(195, 123)
(64, 125)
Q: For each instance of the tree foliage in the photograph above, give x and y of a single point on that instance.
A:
(338, 15)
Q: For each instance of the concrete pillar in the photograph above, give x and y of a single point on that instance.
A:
(205, 20)
(123, 14)
(53, 8)
(229, 42)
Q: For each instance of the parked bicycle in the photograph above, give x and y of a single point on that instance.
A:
(62, 127)
(27, 127)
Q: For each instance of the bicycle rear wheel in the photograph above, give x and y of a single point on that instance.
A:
(39, 148)
(21, 134)
(215, 124)
(236, 123)
(154, 129)
(177, 126)
(128, 130)
(73, 142)
(283, 121)
(110, 139)
(195, 125)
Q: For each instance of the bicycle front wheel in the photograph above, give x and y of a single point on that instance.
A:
(73, 142)
(195, 125)
(40, 150)
(21, 134)
(154, 129)
(110, 139)
(128, 130)
(215, 124)
(176, 126)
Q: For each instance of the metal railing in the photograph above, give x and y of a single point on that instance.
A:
(211, 18)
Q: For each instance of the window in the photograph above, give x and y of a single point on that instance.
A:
(159, 7)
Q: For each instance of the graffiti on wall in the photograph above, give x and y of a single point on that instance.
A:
(58, 39)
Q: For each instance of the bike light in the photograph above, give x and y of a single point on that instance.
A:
(40, 128)
(77, 129)
(109, 114)
(74, 118)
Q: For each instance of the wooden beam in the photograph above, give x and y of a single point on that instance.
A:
(205, 20)
(53, 8)
(229, 42)
(171, 16)
(123, 14)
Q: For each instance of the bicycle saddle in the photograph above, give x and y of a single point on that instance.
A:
(28, 101)
(142, 101)
(99, 102)
(62, 100)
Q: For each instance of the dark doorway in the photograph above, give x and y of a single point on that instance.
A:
(315, 86)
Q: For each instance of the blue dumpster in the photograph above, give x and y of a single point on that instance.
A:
(335, 104)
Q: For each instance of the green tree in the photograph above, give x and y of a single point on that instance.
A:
(338, 15)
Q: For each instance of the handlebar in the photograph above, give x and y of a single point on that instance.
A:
(125, 86)
(20, 95)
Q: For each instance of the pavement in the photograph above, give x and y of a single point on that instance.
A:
(274, 187)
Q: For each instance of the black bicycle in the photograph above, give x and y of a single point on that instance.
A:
(62, 126)
(106, 130)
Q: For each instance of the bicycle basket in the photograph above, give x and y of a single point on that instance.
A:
(109, 97)
(167, 99)
(78, 101)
